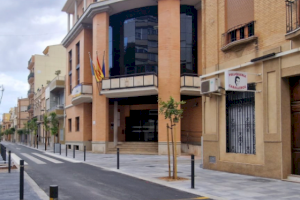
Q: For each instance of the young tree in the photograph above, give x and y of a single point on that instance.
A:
(171, 112)
(46, 128)
(33, 127)
(20, 133)
(54, 125)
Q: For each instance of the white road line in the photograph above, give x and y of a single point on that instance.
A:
(37, 161)
(47, 158)
(16, 159)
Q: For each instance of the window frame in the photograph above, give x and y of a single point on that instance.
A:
(70, 124)
(77, 121)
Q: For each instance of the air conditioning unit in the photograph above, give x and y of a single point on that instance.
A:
(210, 86)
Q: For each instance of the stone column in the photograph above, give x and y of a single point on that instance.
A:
(169, 64)
(75, 12)
(100, 122)
(68, 22)
(115, 123)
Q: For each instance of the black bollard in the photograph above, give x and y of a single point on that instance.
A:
(84, 152)
(9, 160)
(59, 149)
(66, 150)
(54, 147)
(193, 171)
(73, 151)
(53, 192)
(118, 158)
(21, 179)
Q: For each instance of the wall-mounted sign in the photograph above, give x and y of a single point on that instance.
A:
(235, 81)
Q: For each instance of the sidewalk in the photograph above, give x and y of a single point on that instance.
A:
(209, 183)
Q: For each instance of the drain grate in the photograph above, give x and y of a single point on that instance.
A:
(260, 180)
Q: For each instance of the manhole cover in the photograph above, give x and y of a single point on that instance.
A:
(260, 180)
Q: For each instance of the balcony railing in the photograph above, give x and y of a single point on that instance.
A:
(31, 75)
(190, 80)
(238, 35)
(30, 92)
(30, 107)
(130, 81)
(82, 93)
(57, 83)
(292, 15)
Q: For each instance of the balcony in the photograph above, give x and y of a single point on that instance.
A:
(292, 19)
(58, 109)
(238, 36)
(30, 108)
(30, 93)
(190, 85)
(57, 84)
(82, 93)
(130, 85)
(30, 77)
(30, 63)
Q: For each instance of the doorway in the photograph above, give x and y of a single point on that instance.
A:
(295, 121)
(141, 126)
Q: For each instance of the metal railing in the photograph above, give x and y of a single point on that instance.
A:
(130, 81)
(292, 15)
(30, 75)
(30, 107)
(30, 92)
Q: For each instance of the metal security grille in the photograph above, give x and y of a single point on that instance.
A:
(240, 115)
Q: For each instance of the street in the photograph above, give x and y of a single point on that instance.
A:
(83, 181)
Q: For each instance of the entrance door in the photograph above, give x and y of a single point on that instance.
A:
(295, 108)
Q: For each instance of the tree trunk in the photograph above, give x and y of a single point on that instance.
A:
(46, 142)
(168, 146)
(175, 154)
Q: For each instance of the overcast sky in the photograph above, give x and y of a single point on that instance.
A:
(27, 28)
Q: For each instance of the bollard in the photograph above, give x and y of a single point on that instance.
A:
(9, 160)
(53, 192)
(73, 151)
(118, 158)
(54, 147)
(84, 152)
(59, 149)
(66, 150)
(21, 179)
(37, 141)
(193, 171)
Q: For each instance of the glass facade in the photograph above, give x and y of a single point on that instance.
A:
(133, 41)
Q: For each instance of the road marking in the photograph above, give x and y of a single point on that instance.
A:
(16, 159)
(202, 198)
(37, 161)
(47, 158)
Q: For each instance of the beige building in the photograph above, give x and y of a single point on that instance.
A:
(22, 115)
(42, 69)
(254, 133)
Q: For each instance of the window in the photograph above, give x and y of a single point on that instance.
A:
(251, 29)
(70, 124)
(78, 53)
(232, 35)
(70, 61)
(242, 33)
(70, 83)
(77, 123)
(78, 75)
(240, 119)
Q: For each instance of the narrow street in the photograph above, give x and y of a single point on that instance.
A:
(83, 181)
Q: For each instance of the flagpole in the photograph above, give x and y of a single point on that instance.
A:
(103, 63)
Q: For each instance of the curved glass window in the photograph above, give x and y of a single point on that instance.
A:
(133, 41)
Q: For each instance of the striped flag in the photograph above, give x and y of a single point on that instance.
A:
(95, 72)
(99, 67)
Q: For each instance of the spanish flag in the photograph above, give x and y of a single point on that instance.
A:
(99, 67)
(94, 70)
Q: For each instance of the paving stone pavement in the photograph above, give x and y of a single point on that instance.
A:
(209, 183)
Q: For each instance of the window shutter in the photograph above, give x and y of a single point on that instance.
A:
(239, 12)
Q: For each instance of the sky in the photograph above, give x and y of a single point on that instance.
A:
(27, 28)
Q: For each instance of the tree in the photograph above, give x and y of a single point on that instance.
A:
(33, 127)
(26, 130)
(54, 124)
(46, 128)
(20, 132)
(171, 112)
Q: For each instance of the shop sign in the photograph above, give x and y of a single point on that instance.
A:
(235, 81)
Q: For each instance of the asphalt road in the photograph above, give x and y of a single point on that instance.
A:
(84, 182)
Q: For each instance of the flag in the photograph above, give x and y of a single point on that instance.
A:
(95, 72)
(99, 67)
(103, 65)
